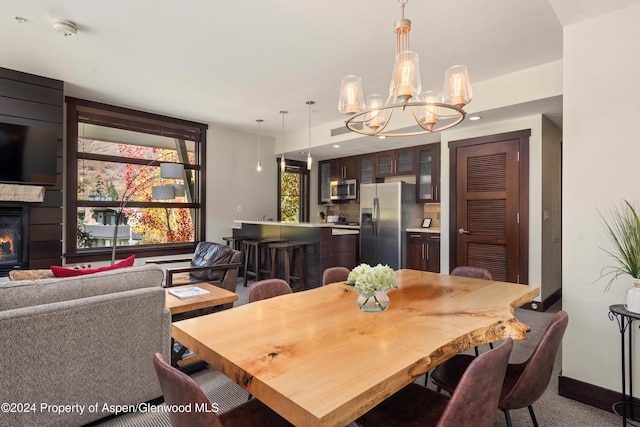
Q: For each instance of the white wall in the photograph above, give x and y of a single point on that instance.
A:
(232, 180)
(601, 145)
(551, 227)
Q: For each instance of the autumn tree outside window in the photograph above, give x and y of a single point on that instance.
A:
(115, 153)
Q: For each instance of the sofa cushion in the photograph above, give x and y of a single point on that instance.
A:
(72, 272)
(26, 293)
(208, 254)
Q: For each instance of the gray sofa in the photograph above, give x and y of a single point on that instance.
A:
(81, 341)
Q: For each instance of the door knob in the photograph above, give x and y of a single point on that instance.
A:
(463, 231)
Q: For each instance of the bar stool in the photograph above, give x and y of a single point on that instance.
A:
(234, 242)
(253, 248)
(289, 250)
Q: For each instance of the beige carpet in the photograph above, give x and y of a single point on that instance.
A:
(551, 409)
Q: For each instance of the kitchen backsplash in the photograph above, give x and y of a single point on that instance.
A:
(352, 212)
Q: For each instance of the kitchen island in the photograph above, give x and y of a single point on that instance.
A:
(325, 245)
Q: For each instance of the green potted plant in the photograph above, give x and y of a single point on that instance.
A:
(622, 227)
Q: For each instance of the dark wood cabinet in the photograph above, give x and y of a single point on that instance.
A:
(367, 175)
(324, 182)
(345, 168)
(428, 173)
(423, 251)
(395, 162)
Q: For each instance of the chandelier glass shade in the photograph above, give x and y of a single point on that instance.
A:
(431, 111)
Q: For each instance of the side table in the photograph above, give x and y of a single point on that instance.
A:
(625, 318)
(200, 305)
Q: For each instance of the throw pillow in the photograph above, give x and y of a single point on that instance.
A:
(70, 272)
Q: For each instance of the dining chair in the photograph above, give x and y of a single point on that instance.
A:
(335, 274)
(180, 389)
(475, 273)
(525, 382)
(267, 288)
(474, 402)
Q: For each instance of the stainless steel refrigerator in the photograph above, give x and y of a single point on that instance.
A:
(386, 211)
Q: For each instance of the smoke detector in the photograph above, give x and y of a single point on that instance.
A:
(67, 28)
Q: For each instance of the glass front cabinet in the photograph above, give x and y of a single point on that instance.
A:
(428, 173)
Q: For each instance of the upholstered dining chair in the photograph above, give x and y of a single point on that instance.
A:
(335, 274)
(180, 389)
(525, 382)
(475, 273)
(267, 288)
(473, 403)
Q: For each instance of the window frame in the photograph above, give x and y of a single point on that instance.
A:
(83, 111)
(299, 167)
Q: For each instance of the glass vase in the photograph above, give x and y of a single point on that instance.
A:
(373, 303)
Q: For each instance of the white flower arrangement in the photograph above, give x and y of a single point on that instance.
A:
(367, 280)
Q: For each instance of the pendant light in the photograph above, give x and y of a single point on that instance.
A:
(282, 161)
(309, 159)
(432, 112)
(259, 166)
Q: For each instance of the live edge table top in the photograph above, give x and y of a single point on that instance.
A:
(318, 360)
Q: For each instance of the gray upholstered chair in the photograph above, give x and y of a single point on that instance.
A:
(335, 274)
(525, 382)
(267, 288)
(473, 403)
(180, 389)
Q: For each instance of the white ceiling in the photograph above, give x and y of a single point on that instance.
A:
(229, 63)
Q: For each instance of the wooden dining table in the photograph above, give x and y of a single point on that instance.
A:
(317, 360)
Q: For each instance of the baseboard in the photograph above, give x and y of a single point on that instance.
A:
(593, 395)
(544, 305)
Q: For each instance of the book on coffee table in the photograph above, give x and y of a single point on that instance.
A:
(188, 292)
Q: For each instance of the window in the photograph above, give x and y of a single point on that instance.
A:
(135, 180)
(293, 192)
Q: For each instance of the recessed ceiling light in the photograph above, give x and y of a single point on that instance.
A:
(474, 118)
(382, 137)
(20, 19)
(336, 145)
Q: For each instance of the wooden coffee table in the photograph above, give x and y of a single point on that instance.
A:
(202, 304)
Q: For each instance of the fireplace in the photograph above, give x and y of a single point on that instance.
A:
(14, 238)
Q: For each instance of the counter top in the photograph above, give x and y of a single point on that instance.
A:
(423, 230)
(298, 224)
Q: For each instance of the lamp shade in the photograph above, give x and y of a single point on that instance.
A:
(163, 192)
(171, 170)
(351, 95)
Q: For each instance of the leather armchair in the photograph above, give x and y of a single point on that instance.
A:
(213, 263)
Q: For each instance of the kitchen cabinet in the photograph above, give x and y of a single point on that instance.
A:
(428, 173)
(423, 251)
(345, 168)
(366, 170)
(395, 162)
(324, 182)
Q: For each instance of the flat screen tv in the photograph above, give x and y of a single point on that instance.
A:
(28, 154)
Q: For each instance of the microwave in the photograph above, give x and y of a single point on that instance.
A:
(346, 189)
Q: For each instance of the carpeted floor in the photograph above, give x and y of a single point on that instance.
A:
(551, 409)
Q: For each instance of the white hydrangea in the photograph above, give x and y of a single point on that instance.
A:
(367, 279)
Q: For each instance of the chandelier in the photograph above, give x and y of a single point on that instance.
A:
(432, 111)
